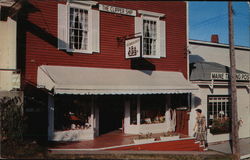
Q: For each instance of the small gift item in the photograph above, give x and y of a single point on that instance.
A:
(73, 126)
(88, 125)
(147, 120)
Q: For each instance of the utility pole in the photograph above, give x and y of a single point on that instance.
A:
(235, 124)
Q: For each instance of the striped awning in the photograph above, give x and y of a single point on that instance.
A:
(102, 81)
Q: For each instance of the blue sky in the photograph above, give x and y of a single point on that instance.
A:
(207, 18)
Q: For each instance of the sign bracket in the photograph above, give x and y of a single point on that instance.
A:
(211, 86)
(123, 38)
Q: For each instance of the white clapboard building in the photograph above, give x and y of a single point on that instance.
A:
(209, 69)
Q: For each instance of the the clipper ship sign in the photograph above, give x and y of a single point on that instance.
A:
(133, 47)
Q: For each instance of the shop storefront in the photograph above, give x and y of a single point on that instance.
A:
(214, 98)
(108, 100)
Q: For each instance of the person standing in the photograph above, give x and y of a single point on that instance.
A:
(200, 129)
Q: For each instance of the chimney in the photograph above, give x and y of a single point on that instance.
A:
(214, 38)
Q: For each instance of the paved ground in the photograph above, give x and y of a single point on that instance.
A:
(226, 148)
(143, 155)
(142, 152)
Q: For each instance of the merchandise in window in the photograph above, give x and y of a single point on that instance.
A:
(72, 112)
(219, 114)
(153, 109)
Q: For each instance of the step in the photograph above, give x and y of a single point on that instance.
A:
(180, 145)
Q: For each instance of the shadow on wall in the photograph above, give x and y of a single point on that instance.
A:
(195, 58)
(142, 64)
(197, 102)
(28, 26)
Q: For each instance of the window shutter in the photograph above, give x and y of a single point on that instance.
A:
(95, 31)
(139, 29)
(162, 38)
(138, 25)
(62, 27)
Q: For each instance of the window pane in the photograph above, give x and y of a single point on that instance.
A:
(218, 112)
(149, 40)
(153, 109)
(133, 110)
(72, 112)
(78, 30)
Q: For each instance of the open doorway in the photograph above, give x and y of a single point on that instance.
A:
(111, 113)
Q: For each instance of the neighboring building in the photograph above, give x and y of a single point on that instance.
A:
(9, 74)
(209, 69)
(74, 67)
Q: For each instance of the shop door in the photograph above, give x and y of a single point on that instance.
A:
(111, 113)
(182, 119)
(181, 103)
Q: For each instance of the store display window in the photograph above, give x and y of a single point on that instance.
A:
(72, 112)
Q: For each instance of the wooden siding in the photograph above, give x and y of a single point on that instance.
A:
(41, 37)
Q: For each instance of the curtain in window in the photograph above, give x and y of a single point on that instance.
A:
(149, 33)
(78, 29)
(84, 24)
(72, 27)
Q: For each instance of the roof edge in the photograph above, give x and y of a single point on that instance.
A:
(217, 44)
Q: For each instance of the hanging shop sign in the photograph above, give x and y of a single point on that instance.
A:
(117, 10)
(225, 76)
(133, 47)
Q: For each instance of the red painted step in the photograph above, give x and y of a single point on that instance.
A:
(180, 145)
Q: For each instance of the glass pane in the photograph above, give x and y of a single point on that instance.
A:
(153, 109)
(72, 112)
(149, 41)
(133, 110)
(220, 120)
(78, 24)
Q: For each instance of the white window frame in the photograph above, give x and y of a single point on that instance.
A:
(160, 31)
(89, 47)
(63, 20)
(218, 100)
(157, 53)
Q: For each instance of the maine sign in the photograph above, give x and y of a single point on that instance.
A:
(133, 47)
(225, 76)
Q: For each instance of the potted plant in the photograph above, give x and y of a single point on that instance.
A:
(170, 136)
(147, 138)
(220, 126)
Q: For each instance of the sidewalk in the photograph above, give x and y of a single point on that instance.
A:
(145, 155)
(226, 148)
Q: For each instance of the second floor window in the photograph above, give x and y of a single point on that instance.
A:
(78, 29)
(152, 27)
(149, 37)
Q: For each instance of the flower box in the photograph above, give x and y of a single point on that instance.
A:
(170, 138)
(142, 141)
